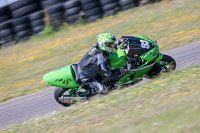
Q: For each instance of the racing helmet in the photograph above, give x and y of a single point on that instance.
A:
(105, 40)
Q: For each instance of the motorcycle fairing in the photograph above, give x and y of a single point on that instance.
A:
(138, 72)
(61, 77)
(135, 73)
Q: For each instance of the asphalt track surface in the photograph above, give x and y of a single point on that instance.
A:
(42, 102)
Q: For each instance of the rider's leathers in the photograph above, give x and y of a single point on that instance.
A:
(94, 61)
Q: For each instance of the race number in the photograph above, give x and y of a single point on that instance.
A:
(145, 44)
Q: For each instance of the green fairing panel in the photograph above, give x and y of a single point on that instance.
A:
(138, 72)
(61, 77)
(141, 71)
(119, 59)
(150, 55)
(159, 57)
(145, 38)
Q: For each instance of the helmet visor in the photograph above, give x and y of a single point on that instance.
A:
(108, 44)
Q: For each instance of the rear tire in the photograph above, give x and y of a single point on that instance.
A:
(58, 92)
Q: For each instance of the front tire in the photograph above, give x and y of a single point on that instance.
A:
(166, 64)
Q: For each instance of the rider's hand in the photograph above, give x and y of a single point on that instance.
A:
(123, 40)
(117, 42)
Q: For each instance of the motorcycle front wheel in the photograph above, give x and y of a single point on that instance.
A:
(166, 64)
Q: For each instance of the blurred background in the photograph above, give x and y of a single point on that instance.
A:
(38, 36)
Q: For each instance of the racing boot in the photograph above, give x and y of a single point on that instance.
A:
(97, 87)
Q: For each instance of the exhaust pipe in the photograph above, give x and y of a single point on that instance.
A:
(67, 99)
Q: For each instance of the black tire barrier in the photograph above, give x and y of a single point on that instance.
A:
(4, 14)
(126, 7)
(110, 12)
(23, 34)
(25, 10)
(73, 18)
(94, 18)
(21, 27)
(20, 20)
(6, 25)
(70, 4)
(110, 6)
(72, 11)
(93, 12)
(37, 22)
(86, 1)
(55, 8)
(36, 15)
(6, 32)
(48, 3)
(105, 2)
(126, 4)
(7, 40)
(57, 20)
(90, 5)
(19, 4)
(57, 15)
(3, 10)
(56, 24)
(4, 18)
(38, 29)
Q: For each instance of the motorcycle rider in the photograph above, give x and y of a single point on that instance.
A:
(96, 60)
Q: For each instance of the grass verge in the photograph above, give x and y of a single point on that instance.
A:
(167, 104)
(171, 22)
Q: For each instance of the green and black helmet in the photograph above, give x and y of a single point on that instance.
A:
(105, 40)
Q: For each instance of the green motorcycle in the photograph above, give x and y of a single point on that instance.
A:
(137, 57)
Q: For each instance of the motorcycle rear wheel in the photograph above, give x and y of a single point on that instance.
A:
(58, 93)
(64, 98)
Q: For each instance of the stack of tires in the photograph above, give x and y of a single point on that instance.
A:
(109, 7)
(72, 11)
(55, 11)
(20, 10)
(37, 21)
(48, 3)
(6, 30)
(92, 10)
(4, 14)
(22, 28)
(126, 4)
